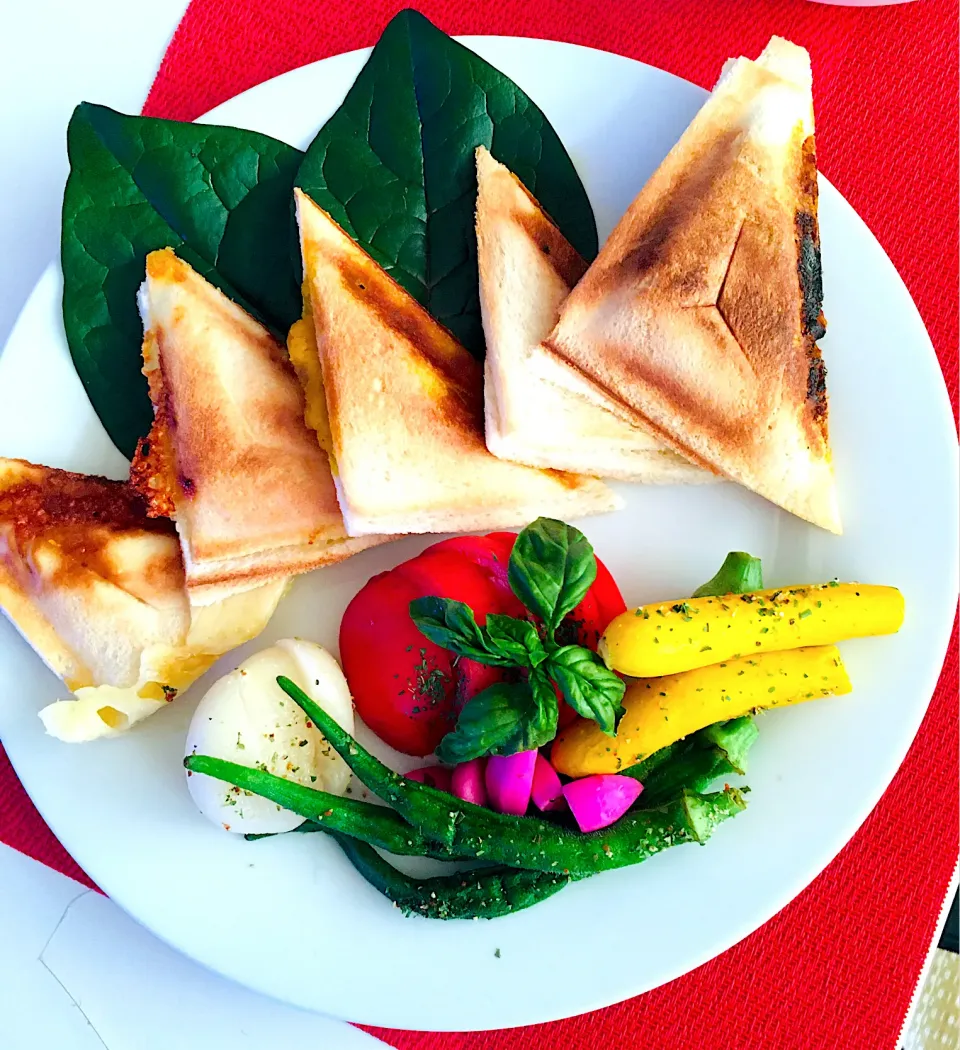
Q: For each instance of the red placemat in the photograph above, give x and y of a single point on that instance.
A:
(835, 969)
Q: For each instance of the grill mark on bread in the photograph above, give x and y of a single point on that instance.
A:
(565, 260)
(82, 515)
(462, 402)
(810, 274)
(704, 175)
(500, 199)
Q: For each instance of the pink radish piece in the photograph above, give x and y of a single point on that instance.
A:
(597, 801)
(509, 780)
(547, 792)
(466, 782)
(432, 776)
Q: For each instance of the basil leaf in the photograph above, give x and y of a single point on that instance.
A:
(395, 165)
(738, 574)
(548, 710)
(452, 625)
(552, 566)
(219, 196)
(515, 638)
(588, 685)
(503, 719)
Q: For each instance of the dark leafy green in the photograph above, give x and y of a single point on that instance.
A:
(503, 719)
(518, 638)
(738, 574)
(452, 624)
(504, 642)
(219, 196)
(552, 566)
(588, 685)
(394, 165)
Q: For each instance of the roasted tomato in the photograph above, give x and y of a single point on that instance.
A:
(410, 691)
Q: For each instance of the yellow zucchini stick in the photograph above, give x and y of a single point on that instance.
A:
(662, 710)
(680, 636)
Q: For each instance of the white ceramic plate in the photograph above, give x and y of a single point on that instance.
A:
(289, 916)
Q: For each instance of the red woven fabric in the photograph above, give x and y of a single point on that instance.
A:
(835, 969)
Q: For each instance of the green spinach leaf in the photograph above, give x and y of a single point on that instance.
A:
(588, 685)
(552, 566)
(502, 720)
(220, 196)
(394, 165)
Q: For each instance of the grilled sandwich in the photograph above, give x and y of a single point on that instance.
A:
(98, 589)
(538, 409)
(229, 456)
(702, 312)
(405, 407)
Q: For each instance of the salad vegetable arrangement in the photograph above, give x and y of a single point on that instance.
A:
(501, 750)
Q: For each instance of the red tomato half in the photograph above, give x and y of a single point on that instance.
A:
(410, 691)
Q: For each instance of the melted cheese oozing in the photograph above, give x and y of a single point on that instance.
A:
(165, 671)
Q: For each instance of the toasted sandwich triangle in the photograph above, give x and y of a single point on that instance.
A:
(405, 407)
(97, 587)
(230, 457)
(538, 409)
(701, 313)
(86, 577)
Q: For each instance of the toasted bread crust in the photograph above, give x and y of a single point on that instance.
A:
(405, 404)
(701, 313)
(151, 476)
(538, 410)
(230, 456)
(85, 574)
(34, 500)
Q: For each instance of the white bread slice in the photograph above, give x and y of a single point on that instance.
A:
(701, 313)
(405, 407)
(97, 589)
(230, 457)
(538, 410)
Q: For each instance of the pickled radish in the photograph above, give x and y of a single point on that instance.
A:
(547, 791)
(467, 782)
(509, 781)
(599, 800)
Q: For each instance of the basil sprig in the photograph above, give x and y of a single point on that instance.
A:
(551, 568)
(505, 718)
(588, 685)
(504, 642)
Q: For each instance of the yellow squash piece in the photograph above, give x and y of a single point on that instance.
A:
(680, 636)
(662, 710)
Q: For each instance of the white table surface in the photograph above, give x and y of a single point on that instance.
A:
(76, 973)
